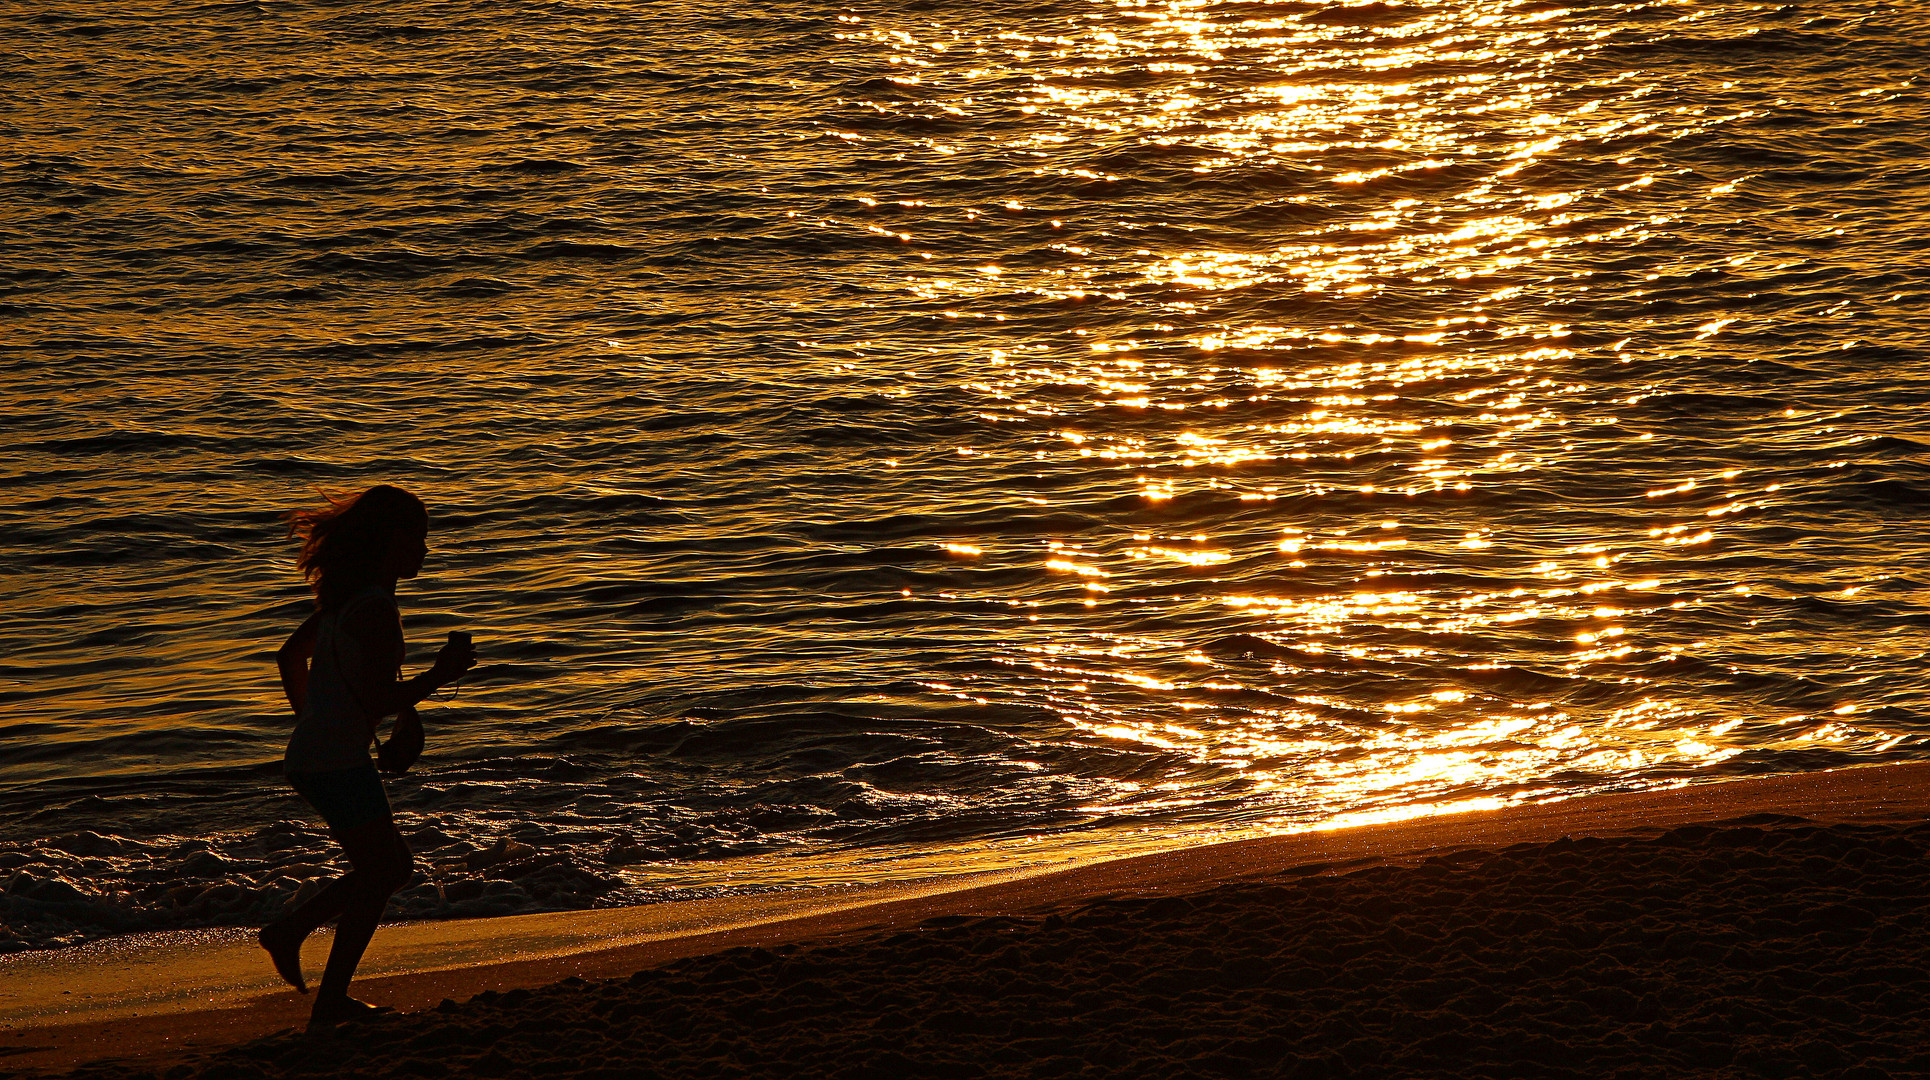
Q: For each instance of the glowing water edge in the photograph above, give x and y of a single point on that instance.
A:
(899, 440)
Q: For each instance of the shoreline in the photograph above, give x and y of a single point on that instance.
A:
(454, 961)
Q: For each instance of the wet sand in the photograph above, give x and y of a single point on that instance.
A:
(1772, 927)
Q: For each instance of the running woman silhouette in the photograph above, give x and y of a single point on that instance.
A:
(341, 670)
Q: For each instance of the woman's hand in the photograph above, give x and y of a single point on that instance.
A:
(453, 662)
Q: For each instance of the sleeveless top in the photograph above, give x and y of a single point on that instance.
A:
(333, 731)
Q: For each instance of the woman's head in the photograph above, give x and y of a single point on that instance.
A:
(371, 538)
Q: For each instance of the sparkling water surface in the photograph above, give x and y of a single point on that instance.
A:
(897, 440)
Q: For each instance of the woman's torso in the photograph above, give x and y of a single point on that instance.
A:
(333, 730)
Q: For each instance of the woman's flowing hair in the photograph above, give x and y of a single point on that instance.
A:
(344, 542)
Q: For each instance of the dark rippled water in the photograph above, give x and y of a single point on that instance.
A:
(876, 441)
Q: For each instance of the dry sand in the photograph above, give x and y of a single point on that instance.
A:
(1771, 927)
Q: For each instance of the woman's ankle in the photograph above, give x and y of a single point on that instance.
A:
(279, 930)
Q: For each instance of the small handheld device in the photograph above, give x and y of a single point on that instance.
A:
(462, 639)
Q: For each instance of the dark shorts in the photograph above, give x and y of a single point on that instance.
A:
(345, 798)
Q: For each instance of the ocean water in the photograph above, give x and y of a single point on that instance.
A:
(884, 440)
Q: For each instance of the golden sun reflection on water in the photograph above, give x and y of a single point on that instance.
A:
(957, 424)
(1414, 343)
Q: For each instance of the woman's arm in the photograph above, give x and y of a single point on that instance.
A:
(293, 661)
(377, 634)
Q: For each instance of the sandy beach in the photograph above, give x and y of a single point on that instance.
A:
(1769, 927)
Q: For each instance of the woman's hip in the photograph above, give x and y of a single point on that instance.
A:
(346, 798)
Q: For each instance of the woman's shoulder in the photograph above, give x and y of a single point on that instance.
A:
(367, 606)
(373, 626)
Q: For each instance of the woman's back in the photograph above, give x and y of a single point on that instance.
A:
(333, 730)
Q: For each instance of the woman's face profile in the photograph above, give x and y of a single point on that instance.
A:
(407, 548)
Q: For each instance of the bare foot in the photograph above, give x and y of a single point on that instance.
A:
(285, 949)
(342, 1010)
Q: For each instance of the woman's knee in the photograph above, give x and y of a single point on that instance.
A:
(393, 881)
(378, 851)
(407, 869)
(396, 870)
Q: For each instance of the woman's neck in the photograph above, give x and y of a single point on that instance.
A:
(335, 593)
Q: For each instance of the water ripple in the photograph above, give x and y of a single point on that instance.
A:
(865, 442)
